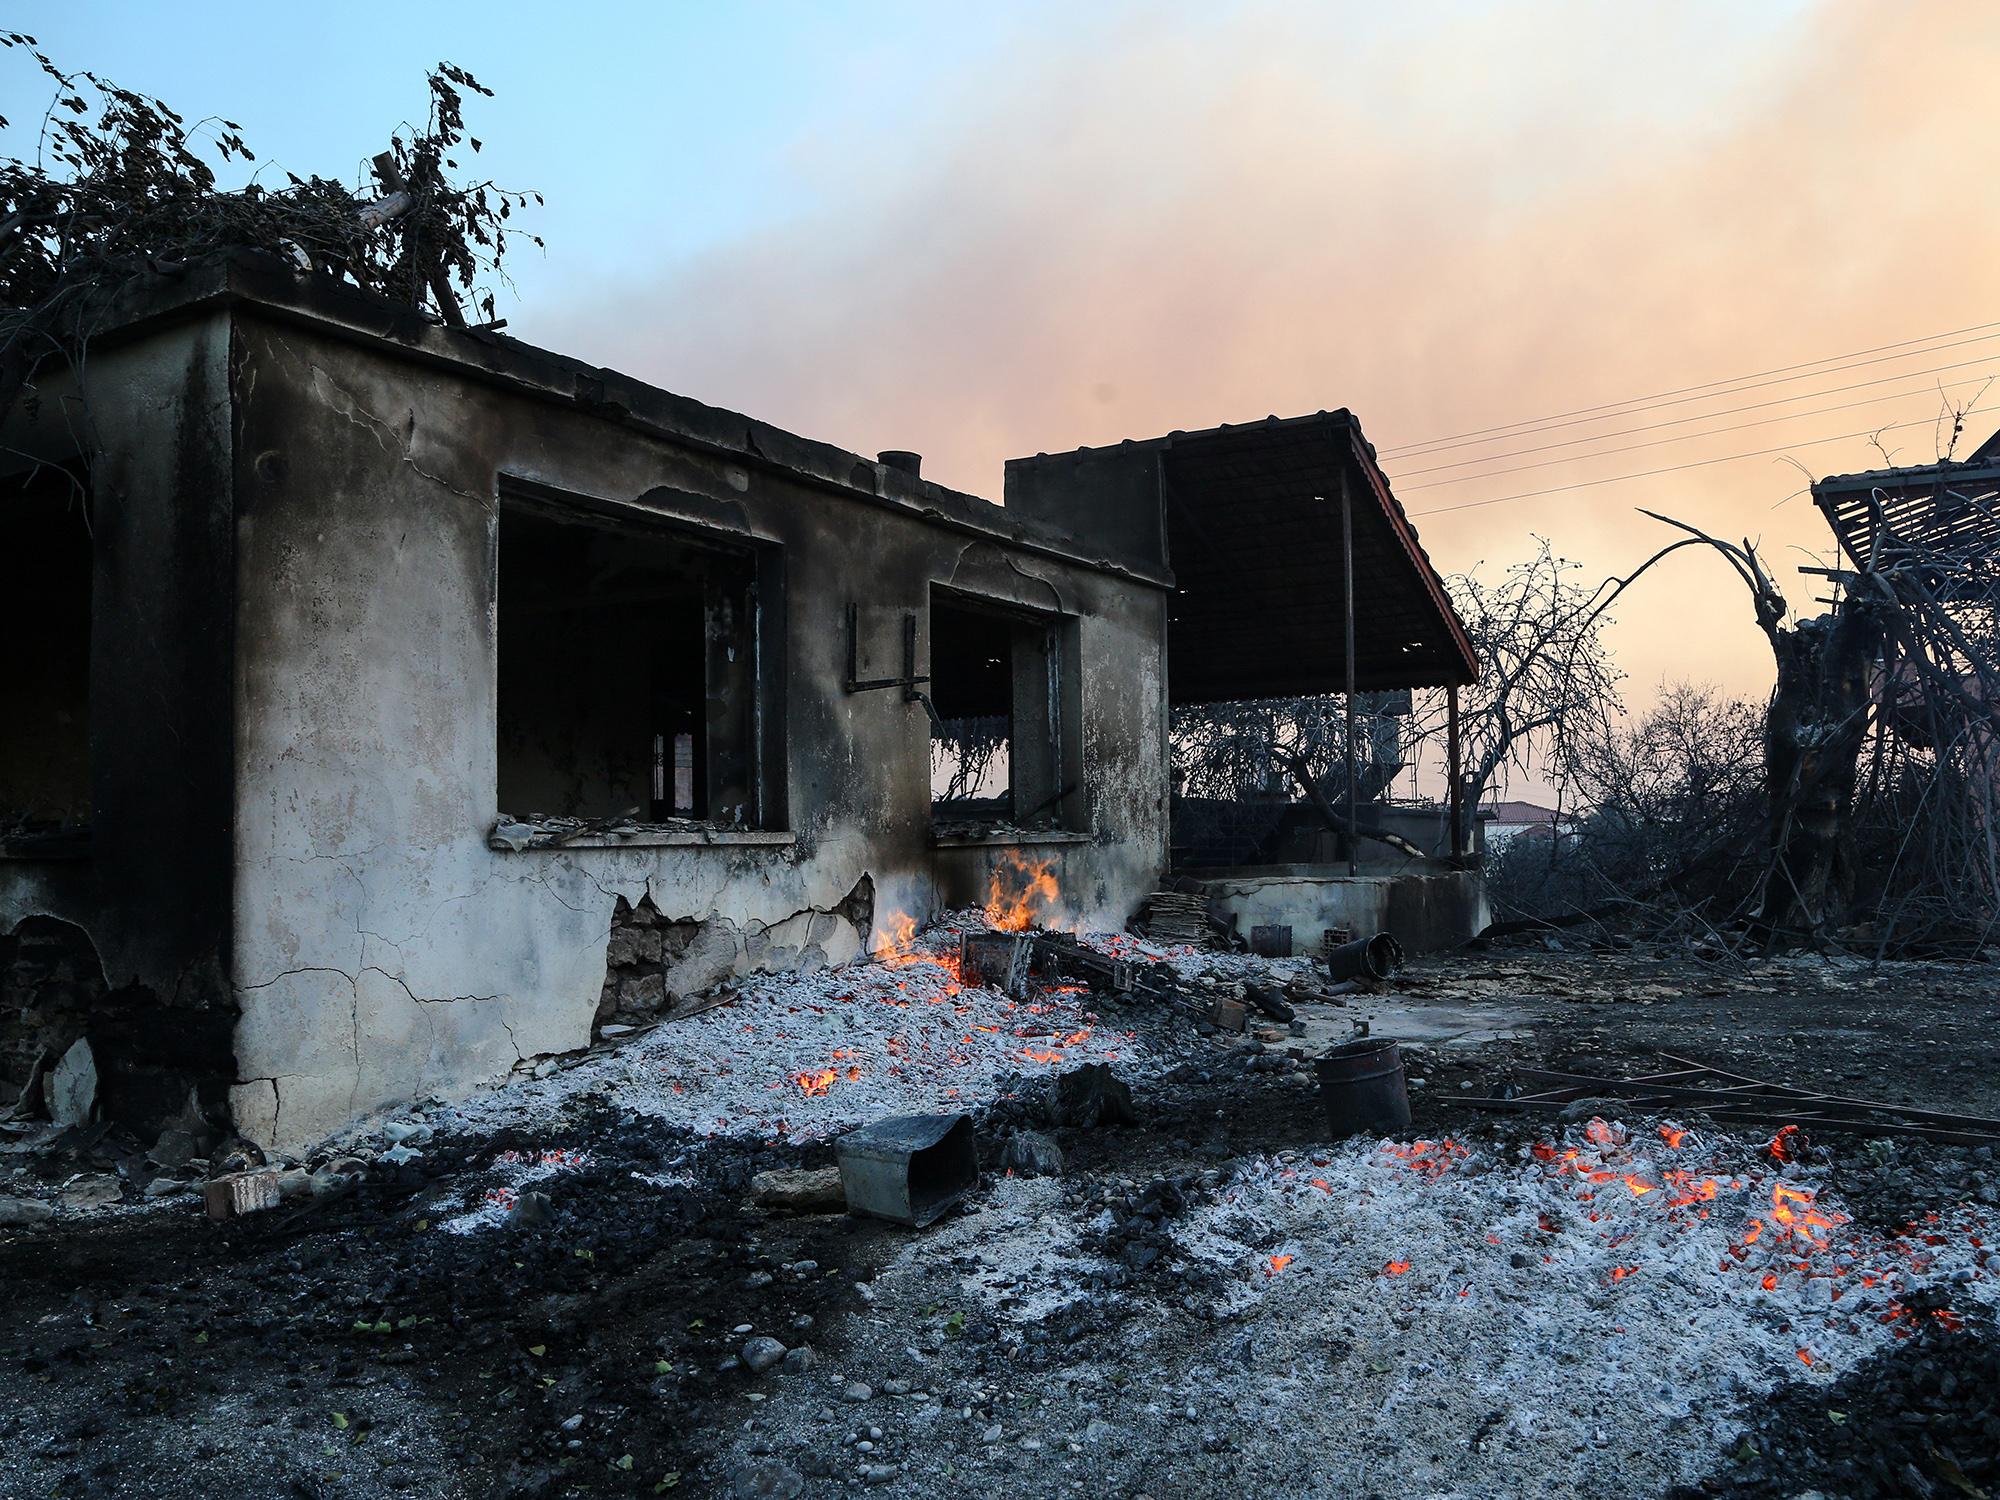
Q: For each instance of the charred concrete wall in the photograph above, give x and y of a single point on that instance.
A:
(383, 949)
(142, 905)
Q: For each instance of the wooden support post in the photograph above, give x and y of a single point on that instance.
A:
(1347, 591)
(1453, 771)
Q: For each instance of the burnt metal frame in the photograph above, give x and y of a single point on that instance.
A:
(1740, 1099)
(909, 682)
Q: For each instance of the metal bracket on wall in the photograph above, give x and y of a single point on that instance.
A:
(909, 682)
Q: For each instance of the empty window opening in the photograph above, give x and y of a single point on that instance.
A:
(998, 750)
(628, 672)
(45, 606)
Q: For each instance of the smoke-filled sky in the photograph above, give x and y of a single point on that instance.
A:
(979, 233)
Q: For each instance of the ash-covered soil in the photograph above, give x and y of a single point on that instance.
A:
(1202, 1303)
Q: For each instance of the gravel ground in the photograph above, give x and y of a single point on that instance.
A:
(1115, 1331)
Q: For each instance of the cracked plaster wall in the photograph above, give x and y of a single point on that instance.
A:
(382, 950)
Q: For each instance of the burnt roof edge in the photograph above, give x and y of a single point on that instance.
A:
(267, 286)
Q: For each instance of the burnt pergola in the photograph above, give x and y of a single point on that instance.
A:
(1296, 571)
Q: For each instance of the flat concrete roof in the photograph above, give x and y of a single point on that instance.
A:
(267, 286)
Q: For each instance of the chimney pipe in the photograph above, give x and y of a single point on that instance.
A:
(901, 460)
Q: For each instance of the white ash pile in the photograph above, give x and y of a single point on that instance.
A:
(1586, 1314)
(807, 1056)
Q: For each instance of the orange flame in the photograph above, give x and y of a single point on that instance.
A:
(816, 1082)
(1278, 1263)
(899, 939)
(1784, 1145)
(1019, 892)
(1673, 1135)
(1395, 1268)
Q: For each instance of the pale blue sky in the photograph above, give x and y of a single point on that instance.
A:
(660, 132)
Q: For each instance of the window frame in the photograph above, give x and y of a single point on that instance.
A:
(767, 822)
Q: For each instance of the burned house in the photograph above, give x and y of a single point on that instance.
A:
(393, 704)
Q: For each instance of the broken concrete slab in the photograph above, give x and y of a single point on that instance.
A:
(72, 1086)
(799, 1190)
(91, 1190)
(238, 1193)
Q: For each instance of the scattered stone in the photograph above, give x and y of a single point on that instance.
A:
(235, 1155)
(1093, 1095)
(166, 1187)
(295, 1183)
(756, 1281)
(72, 1086)
(878, 1473)
(91, 1190)
(400, 1156)
(407, 1132)
(174, 1148)
(895, 1387)
(530, 1210)
(336, 1177)
(799, 1190)
(615, 1030)
(857, 1390)
(762, 1352)
(798, 1361)
(1032, 1153)
(17, 1213)
(767, 1480)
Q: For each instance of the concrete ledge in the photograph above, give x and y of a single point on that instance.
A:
(1013, 838)
(1424, 911)
(643, 837)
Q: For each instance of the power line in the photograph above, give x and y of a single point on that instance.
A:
(1699, 463)
(1727, 411)
(1685, 437)
(1582, 413)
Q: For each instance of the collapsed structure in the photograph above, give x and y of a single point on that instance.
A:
(406, 701)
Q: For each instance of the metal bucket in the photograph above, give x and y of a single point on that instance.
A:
(910, 1168)
(1362, 1086)
(1374, 957)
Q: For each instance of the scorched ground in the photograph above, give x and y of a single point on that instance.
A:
(1216, 1299)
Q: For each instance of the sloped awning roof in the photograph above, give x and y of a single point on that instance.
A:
(1248, 519)
(1950, 507)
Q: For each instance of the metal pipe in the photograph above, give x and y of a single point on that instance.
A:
(1347, 589)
